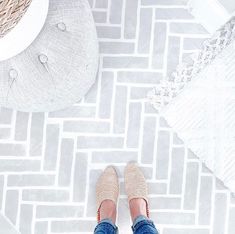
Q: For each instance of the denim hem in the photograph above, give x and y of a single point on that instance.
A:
(143, 220)
(108, 221)
(138, 219)
(107, 225)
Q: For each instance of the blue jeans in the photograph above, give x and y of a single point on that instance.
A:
(141, 225)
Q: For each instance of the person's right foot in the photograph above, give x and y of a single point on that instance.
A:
(136, 189)
(107, 191)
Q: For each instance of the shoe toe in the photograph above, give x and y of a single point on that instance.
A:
(107, 187)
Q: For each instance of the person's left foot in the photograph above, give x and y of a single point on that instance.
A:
(108, 210)
(137, 191)
(138, 206)
(107, 190)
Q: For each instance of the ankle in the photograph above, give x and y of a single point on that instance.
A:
(107, 210)
(137, 208)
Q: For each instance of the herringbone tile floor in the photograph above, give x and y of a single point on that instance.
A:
(49, 162)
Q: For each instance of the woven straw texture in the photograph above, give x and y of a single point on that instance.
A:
(135, 183)
(107, 186)
(11, 11)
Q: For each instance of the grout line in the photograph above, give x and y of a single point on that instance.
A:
(13, 125)
(58, 155)
(155, 150)
(87, 182)
(137, 29)
(127, 117)
(141, 133)
(198, 193)
(19, 209)
(108, 10)
(165, 61)
(113, 102)
(213, 206)
(151, 47)
(4, 193)
(170, 163)
(99, 85)
(123, 19)
(28, 134)
(184, 177)
(33, 219)
(227, 212)
(44, 141)
(73, 171)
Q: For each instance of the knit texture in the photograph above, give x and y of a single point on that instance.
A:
(203, 115)
(198, 101)
(59, 67)
(173, 85)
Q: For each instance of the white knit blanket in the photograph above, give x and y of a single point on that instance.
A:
(203, 114)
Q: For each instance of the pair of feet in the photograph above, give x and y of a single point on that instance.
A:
(107, 191)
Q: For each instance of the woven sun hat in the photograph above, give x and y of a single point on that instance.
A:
(11, 11)
(49, 60)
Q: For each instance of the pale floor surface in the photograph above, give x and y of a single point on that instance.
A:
(49, 163)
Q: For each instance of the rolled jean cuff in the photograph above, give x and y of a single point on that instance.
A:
(138, 219)
(108, 221)
(107, 226)
(140, 223)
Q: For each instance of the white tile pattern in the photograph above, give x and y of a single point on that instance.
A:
(49, 163)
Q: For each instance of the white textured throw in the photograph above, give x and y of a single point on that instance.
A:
(203, 115)
(171, 86)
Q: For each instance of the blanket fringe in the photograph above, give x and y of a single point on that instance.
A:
(171, 86)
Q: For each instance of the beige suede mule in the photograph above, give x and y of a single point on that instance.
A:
(107, 188)
(135, 184)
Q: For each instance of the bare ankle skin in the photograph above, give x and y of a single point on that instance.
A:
(108, 210)
(137, 208)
